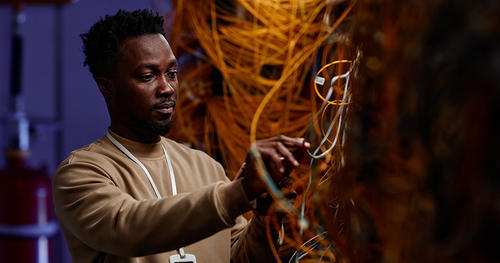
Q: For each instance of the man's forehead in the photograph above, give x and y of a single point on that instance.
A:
(146, 47)
(172, 62)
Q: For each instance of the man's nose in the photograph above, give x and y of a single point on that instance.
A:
(165, 87)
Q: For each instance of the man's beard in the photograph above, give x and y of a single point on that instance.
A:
(152, 128)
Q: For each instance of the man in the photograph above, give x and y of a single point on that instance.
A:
(135, 196)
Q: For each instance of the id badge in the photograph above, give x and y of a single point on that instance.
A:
(188, 258)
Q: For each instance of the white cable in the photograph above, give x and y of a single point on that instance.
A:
(315, 155)
(309, 240)
(338, 116)
(122, 148)
(132, 157)
(171, 170)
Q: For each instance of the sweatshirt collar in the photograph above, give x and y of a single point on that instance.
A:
(139, 149)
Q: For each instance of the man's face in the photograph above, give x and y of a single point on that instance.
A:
(144, 85)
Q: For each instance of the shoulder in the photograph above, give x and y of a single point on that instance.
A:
(96, 152)
(95, 158)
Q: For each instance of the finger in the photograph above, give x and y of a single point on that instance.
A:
(276, 161)
(272, 159)
(288, 156)
(240, 171)
(294, 142)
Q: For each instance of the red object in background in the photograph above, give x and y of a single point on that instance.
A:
(26, 220)
(17, 4)
(34, 1)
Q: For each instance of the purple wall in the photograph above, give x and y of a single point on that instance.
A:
(54, 80)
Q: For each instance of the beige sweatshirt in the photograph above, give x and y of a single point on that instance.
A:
(108, 211)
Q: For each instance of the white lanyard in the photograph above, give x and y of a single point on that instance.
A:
(132, 157)
(172, 177)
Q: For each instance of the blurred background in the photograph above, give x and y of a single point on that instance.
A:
(64, 107)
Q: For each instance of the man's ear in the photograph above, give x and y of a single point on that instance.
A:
(105, 86)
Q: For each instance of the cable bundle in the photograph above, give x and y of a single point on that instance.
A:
(403, 142)
(249, 70)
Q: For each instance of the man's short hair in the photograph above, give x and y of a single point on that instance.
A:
(103, 41)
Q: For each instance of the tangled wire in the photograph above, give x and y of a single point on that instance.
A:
(379, 89)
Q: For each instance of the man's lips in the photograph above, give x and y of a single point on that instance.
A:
(165, 108)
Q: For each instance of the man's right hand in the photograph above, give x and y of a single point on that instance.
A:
(279, 155)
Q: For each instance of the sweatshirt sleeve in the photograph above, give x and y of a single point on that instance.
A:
(249, 242)
(105, 218)
(248, 239)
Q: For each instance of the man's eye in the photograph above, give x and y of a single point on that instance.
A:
(172, 74)
(146, 77)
